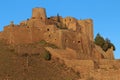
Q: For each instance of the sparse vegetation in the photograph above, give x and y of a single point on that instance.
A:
(105, 44)
(47, 55)
(52, 46)
(15, 67)
(45, 44)
(42, 42)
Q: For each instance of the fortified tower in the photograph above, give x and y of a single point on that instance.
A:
(39, 13)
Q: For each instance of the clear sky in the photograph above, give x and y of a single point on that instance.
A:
(105, 14)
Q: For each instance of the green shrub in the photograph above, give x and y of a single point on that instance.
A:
(52, 46)
(105, 44)
(99, 40)
(42, 42)
(47, 55)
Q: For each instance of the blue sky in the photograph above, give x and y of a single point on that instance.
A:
(105, 14)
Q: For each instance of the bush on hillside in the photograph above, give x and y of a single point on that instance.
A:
(47, 55)
(105, 44)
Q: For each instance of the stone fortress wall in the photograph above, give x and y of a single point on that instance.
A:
(66, 33)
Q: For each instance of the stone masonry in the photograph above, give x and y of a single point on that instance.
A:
(63, 32)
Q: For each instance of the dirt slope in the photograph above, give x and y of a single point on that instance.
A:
(33, 67)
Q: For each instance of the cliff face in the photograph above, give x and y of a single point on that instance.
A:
(62, 32)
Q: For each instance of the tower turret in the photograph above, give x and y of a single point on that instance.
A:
(39, 13)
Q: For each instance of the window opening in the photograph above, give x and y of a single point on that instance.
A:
(48, 29)
(78, 41)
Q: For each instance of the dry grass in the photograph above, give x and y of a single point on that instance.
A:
(33, 67)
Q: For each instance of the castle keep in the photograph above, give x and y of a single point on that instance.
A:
(63, 32)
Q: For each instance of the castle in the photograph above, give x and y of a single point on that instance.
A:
(63, 32)
(74, 39)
